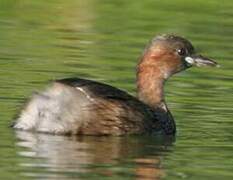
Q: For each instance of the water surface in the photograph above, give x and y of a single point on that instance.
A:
(102, 40)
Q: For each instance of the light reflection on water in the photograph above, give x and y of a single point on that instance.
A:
(45, 40)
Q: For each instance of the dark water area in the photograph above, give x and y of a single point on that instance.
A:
(102, 40)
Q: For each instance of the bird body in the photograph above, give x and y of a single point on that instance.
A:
(80, 106)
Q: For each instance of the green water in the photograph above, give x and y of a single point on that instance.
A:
(102, 40)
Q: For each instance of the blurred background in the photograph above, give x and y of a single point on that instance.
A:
(102, 40)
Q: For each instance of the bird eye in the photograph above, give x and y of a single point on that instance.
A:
(181, 52)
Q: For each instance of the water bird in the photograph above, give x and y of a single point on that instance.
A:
(74, 106)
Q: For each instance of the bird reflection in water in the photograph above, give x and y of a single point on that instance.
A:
(86, 156)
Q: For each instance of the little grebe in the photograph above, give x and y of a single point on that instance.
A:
(80, 106)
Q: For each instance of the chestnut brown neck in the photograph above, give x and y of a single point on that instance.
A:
(150, 81)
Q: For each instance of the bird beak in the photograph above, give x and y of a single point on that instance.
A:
(199, 61)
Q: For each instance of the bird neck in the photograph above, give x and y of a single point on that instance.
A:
(150, 89)
(150, 86)
(152, 72)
